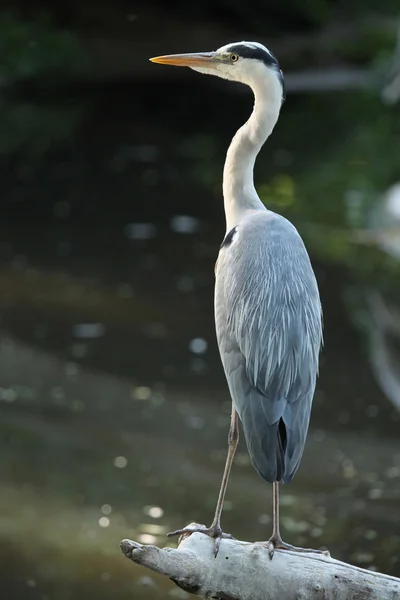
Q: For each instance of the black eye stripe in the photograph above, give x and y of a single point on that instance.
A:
(253, 52)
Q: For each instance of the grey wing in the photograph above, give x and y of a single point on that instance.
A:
(269, 329)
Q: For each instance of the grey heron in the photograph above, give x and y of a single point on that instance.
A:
(268, 312)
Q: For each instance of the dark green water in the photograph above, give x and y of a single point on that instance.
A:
(119, 429)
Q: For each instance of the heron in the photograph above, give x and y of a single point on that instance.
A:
(268, 313)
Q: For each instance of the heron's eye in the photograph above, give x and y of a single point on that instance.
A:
(234, 57)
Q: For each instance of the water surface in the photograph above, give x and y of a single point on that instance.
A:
(114, 409)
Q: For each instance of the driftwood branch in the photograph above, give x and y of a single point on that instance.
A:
(243, 571)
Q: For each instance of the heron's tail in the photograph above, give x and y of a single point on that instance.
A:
(275, 449)
(265, 447)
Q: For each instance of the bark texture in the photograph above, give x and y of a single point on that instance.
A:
(243, 571)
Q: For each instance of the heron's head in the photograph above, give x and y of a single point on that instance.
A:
(247, 62)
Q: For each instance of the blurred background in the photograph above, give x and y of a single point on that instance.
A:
(114, 408)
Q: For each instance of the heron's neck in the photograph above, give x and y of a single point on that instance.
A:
(238, 184)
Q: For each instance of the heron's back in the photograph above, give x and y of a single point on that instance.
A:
(269, 331)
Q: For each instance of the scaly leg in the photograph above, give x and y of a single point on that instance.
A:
(215, 530)
(275, 540)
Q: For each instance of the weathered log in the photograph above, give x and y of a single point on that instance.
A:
(243, 571)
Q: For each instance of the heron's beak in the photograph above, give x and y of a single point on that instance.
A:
(201, 59)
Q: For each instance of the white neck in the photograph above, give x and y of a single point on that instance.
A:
(238, 184)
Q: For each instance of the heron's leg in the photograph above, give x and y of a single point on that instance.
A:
(275, 511)
(215, 530)
(275, 540)
(233, 440)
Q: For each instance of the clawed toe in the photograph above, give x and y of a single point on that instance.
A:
(277, 543)
(189, 529)
(271, 550)
(214, 532)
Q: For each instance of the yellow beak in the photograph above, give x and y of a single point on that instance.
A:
(201, 59)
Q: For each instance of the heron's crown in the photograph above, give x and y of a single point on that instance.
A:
(256, 51)
(253, 50)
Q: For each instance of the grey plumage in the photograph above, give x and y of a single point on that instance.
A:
(269, 331)
(267, 306)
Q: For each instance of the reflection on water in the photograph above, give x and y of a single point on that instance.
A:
(114, 410)
(89, 458)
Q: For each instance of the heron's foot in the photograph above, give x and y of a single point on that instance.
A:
(276, 542)
(214, 531)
